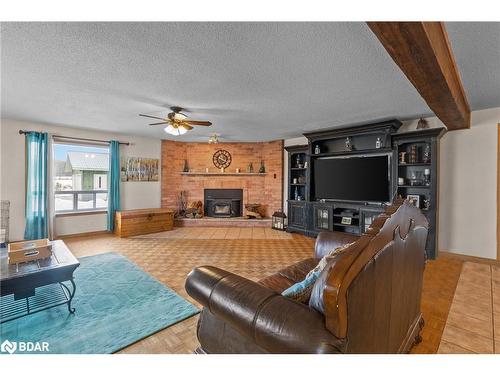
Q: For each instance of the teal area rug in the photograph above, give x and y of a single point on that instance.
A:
(116, 305)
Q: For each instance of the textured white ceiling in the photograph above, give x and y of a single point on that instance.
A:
(253, 81)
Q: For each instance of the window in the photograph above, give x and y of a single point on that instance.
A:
(80, 177)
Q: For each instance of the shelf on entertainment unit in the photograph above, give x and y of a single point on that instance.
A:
(221, 174)
(351, 216)
(353, 152)
(414, 164)
(345, 225)
(414, 186)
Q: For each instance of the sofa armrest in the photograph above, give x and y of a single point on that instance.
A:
(273, 322)
(327, 241)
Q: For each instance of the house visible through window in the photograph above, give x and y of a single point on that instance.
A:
(80, 177)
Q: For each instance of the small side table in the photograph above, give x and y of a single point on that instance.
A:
(27, 288)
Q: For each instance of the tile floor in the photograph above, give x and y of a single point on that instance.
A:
(220, 233)
(473, 324)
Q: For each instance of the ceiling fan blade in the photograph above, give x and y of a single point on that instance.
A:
(160, 123)
(187, 126)
(158, 118)
(202, 123)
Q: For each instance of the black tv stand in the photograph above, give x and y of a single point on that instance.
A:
(310, 217)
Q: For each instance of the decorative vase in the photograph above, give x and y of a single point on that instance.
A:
(250, 168)
(262, 168)
(186, 167)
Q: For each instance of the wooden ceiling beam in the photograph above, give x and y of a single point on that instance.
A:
(423, 52)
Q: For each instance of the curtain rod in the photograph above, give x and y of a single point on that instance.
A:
(78, 139)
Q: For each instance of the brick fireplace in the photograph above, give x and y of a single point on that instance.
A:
(264, 189)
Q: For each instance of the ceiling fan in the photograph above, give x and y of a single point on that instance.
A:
(177, 122)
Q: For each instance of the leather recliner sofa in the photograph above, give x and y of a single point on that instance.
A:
(369, 293)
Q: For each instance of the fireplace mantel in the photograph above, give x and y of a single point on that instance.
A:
(221, 174)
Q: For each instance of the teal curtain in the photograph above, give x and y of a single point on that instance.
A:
(36, 186)
(114, 183)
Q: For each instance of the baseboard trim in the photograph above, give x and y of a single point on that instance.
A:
(85, 234)
(468, 258)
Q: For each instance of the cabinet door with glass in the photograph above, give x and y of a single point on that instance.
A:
(322, 218)
(367, 218)
(297, 215)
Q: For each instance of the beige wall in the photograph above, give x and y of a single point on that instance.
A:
(467, 192)
(468, 187)
(133, 194)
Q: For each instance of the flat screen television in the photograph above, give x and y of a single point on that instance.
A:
(356, 178)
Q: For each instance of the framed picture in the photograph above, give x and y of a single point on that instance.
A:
(346, 220)
(139, 169)
(414, 199)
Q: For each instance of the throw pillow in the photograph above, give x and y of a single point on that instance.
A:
(316, 296)
(301, 291)
(324, 261)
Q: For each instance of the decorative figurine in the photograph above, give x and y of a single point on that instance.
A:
(250, 168)
(186, 167)
(422, 124)
(378, 144)
(427, 176)
(348, 144)
(426, 156)
(305, 165)
(427, 204)
(317, 150)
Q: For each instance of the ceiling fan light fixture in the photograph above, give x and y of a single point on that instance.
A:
(180, 116)
(175, 130)
(213, 139)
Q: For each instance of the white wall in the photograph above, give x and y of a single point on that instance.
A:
(12, 159)
(467, 191)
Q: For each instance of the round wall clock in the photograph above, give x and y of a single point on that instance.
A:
(222, 159)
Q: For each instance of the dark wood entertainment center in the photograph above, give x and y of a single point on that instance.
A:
(414, 158)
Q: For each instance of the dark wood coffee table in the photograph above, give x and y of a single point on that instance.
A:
(30, 287)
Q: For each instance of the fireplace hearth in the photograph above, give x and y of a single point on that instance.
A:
(223, 202)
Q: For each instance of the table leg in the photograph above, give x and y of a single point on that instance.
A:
(71, 294)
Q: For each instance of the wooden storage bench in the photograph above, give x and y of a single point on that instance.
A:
(150, 220)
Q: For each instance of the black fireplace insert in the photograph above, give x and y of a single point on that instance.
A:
(223, 202)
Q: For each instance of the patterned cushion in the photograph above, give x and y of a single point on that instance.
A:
(301, 291)
(316, 296)
(324, 261)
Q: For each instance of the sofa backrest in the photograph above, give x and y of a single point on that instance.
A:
(372, 293)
